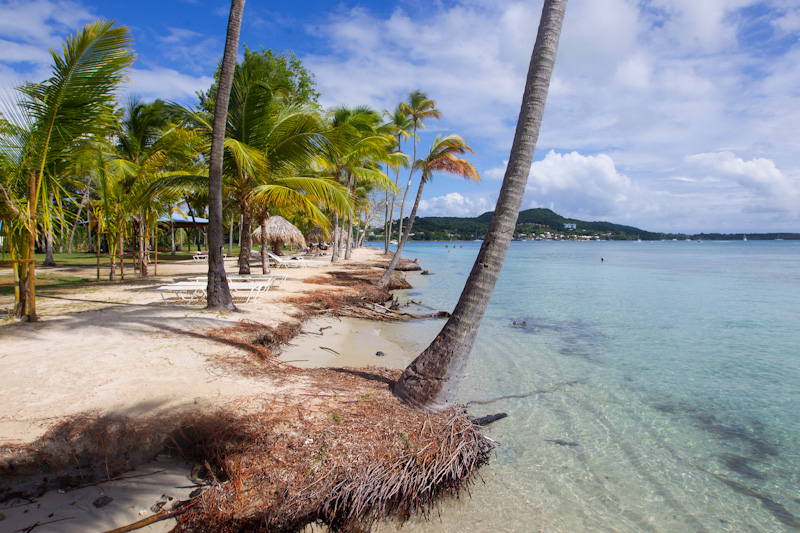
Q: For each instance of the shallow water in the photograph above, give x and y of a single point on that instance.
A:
(655, 391)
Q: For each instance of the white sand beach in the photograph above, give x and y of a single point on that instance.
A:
(116, 348)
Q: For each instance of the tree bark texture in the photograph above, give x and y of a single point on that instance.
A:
(218, 293)
(348, 253)
(431, 381)
(264, 247)
(245, 238)
(49, 261)
(335, 244)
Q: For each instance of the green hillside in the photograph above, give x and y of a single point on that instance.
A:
(538, 222)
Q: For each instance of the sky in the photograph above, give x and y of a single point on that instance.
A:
(668, 115)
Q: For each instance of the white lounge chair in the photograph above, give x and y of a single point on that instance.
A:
(185, 291)
(277, 279)
(293, 263)
(194, 291)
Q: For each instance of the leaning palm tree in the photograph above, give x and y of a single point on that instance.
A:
(417, 107)
(59, 112)
(443, 157)
(431, 381)
(400, 125)
(218, 293)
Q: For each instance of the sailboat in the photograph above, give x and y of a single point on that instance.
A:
(745, 238)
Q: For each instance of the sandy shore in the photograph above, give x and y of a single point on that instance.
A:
(116, 348)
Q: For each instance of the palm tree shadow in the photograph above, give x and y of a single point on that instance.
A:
(370, 376)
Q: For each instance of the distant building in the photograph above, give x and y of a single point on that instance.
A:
(570, 226)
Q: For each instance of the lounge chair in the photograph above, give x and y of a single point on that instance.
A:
(194, 291)
(277, 279)
(293, 263)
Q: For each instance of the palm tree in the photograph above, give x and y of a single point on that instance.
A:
(149, 144)
(400, 124)
(58, 113)
(417, 107)
(268, 143)
(357, 144)
(218, 293)
(443, 157)
(431, 381)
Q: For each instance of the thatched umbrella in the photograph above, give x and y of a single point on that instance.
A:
(280, 231)
(315, 235)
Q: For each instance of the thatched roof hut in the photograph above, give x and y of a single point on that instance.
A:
(280, 231)
(315, 235)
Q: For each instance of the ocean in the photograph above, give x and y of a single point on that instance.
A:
(649, 386)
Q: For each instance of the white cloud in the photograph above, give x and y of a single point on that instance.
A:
(455, 205)
(41, 22)
(579, 184)
(167, 84)
(758, 175)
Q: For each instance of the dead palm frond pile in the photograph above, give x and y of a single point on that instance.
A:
(344, 452)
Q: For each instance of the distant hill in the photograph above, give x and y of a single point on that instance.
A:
(540, 221)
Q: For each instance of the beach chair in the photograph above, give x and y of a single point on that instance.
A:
(184, 291)
(293, 263)
(277, 279)
(249, 290)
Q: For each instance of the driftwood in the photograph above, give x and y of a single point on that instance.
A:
(180, 507)
(488, 419)
(375, 311)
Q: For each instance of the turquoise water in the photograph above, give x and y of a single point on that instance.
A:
(656, 390)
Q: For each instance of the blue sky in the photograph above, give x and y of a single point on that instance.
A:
(669, 115)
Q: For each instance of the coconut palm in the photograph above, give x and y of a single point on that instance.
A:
(57, 113)
(149, 145)
(218, 293)
(417, 107)
(400, 125)
(431, 381)
(443, 157)
(268, 143)
(357, 145)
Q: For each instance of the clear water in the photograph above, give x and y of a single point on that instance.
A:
(655, 391)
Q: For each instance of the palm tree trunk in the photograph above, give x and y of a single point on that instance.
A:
(78, 218)
(61, 236)
(431, 381)
(348, 253)
(245, 238)
(264, 247)
(387, 226)
(383, 283)
(230, 236)
(48, 259)
(89, 231)
(145, 243)
(218, 294)
(171, 231)
(335, 245)
(408, 185)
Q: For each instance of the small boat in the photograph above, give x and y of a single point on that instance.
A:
(745, 238)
